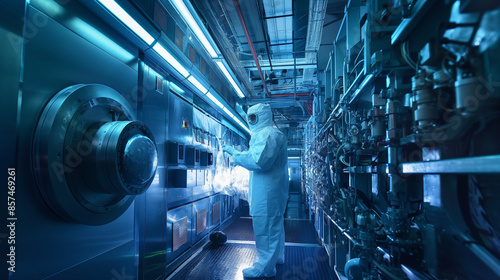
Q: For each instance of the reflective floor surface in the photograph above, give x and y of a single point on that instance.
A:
(304, 257)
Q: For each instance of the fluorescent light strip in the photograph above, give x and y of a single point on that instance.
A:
(241, 124)
(223, 68)
(188, 17)
(228, 112)
(246, 128)
(122, 15)
(170, 59)
(197, 84)
(215, 100)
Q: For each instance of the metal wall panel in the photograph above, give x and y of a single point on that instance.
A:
(178, 233)
(201, 221)
(215, 211)
(151, 207)
(179, 111)
(11, 29)
(226, 207)
(236, 204)
(200, 218)
(73, 46)
(191, 178)
(56, 58)
(200, 177)
(180, 123)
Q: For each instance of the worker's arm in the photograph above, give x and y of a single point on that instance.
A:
(262, 153)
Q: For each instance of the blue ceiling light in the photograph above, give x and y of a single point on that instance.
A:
(228, 112)
(135, 27)
(191, 22)
(241, 124)
(223, 68)
(170, 59)
(197, 84)
(215, 100)
(124, 17)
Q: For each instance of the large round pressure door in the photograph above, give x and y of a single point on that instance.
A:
(90, 156)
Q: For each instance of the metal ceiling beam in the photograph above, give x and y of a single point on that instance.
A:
(257, 42)
(282, 67)
(317, 10)
(281, 44)
(266, 18)
(220, 28)
(281, 102)
(276, 62)
(249, 39)
(264, 32)
(290, 94)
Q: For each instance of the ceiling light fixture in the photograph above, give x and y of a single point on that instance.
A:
(191, 22)
(170, 59)
(214, 100)
(124, 17)
(197, 84)
(223, 68)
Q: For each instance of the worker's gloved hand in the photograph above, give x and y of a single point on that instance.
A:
(228, 149)
(239, 148)
(232, 162)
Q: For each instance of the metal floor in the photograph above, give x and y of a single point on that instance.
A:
(225, 262)
(304, 256)
(296, 231)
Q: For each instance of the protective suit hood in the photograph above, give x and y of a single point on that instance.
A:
(264, 117)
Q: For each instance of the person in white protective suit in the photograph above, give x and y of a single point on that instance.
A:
(266, 160)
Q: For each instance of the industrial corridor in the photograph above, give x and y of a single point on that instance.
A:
(250, 139)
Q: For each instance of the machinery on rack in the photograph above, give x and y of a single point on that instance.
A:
(401, 168)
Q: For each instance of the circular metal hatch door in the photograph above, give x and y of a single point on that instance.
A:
(90, 157)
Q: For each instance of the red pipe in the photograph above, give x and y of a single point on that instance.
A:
(250, 43)
(290, 94)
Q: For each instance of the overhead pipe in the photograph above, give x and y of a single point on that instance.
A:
(261, 17)
(250, 43)
(295, 75)
(290, 94)
(317, 10)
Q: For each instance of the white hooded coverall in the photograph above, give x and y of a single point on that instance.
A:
(266, 160)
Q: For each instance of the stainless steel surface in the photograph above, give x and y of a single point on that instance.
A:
(236, 205)
(397, 176)
(55, 58)
(12, 26)
(215, 217)
(214, 211)
(85, 153)
(151, 206)
(200, 219)
(406, 26)
(129, 111)
(179, 231)
(180, 122)
(123, 266)
(470, 165)
(431, 160)
(226, 207)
